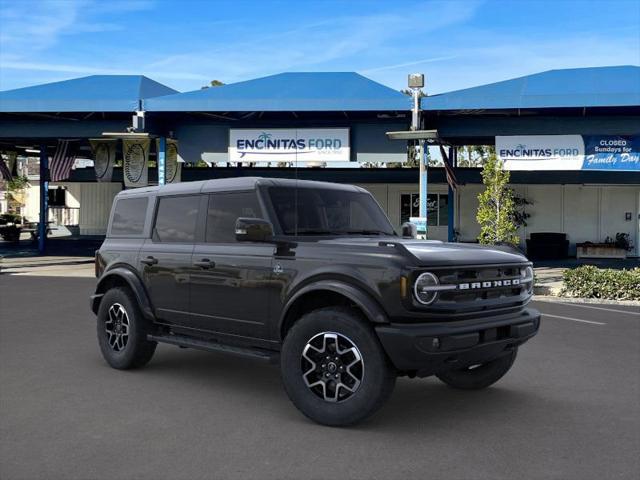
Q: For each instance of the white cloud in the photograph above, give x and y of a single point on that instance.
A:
(501, 57)
(348, 40)
(352, 42)
(435, 37)
(408, 64)
(31, 27)
(90, 70)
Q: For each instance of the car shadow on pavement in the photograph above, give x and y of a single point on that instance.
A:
(415, 403)
(218, 370)
(428, 403)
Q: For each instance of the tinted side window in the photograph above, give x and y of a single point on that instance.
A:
(224, 210)
(176, 219)
(129, 215)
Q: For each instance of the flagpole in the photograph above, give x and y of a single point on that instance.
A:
(44, 199)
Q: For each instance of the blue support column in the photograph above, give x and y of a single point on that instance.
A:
(162, 160)
(453, 153)
(44, 199)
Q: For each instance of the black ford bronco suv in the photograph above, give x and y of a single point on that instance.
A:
(312, 275)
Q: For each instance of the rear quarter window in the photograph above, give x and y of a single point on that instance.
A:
(128, 216)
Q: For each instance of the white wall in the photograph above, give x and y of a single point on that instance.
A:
(95, 205)
(584, 212)
(32, 202)
(580, 214)
(614, 203)
(74, 191)
(466, 208)
(93, 199)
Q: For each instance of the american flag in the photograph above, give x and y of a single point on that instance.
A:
(4, 170)
(62, 160)
(448, 169)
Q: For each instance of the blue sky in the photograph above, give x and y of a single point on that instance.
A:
(184, 44)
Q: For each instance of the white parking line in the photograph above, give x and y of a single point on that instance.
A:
(573, 319)
(599, 308)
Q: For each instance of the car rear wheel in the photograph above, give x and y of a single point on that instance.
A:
(476, 377)
(122, 331)
(334, 368)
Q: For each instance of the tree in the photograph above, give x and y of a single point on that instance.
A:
(474, 155)
(496, 209)
(15, 194)
(213, 83)
(412, 159)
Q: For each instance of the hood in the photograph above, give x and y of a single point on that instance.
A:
(437, 253)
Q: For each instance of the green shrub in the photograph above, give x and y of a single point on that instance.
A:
(588, 281)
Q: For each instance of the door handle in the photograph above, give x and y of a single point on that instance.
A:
(149, 260)
(204, 263)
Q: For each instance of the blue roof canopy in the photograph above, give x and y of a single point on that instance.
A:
(297, 92)
(577, 87)
(96, 93)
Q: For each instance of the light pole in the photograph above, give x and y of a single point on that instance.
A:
(416, 83)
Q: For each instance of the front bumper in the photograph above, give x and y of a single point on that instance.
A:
(429, 348)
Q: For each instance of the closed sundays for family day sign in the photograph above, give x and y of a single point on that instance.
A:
(569, 152)
(289, 145)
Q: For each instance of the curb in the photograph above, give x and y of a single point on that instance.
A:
(546, 290)
(28, 267)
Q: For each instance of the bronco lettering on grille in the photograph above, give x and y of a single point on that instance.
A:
(511, 282)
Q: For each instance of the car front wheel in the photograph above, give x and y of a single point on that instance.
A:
(334, 368)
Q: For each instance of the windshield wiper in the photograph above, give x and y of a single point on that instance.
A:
(310, 231)
(367, 232)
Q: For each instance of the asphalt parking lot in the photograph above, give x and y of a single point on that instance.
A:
(568, 409)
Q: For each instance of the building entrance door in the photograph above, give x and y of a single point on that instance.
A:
(437, 214)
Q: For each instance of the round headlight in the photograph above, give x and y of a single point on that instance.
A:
(526, 278)
(424, 289)
(526, 274)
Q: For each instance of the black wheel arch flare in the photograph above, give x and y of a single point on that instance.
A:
(123, 275)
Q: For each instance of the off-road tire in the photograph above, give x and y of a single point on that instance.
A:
(137, 351)
(481, 376)
(378, 375)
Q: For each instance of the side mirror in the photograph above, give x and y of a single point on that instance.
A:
(409, 230)
(253, 230)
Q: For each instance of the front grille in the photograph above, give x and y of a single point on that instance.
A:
(480, 289)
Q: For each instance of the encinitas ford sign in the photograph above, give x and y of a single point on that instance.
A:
(569, 152)
(541, 152)
(289, 145)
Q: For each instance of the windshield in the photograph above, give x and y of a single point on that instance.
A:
(317, 211)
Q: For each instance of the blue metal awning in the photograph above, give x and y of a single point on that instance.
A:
(570, 88)
(288, 92)
(96, 93)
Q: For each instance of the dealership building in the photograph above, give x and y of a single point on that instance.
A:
(571, 139)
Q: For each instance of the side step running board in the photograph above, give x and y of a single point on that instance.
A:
(211, 346)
